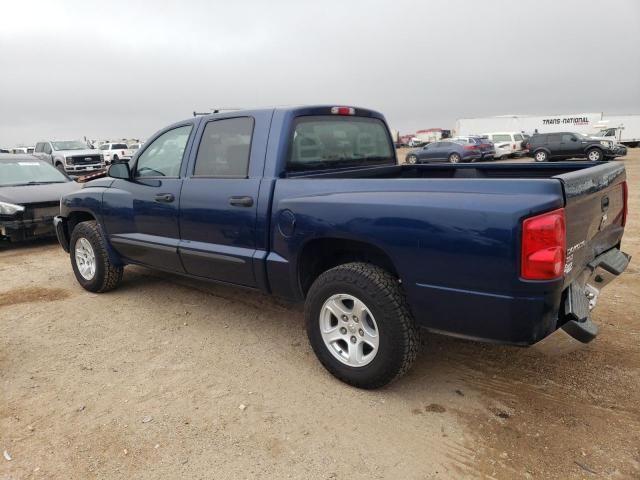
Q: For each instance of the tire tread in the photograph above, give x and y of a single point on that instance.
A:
(379, 284)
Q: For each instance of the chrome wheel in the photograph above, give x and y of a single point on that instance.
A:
(540, 156)
(349, 330)
(454, 158)
(412, 159)
(85, 258)
(594, 155)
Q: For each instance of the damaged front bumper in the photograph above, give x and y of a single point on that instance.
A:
(578, 328)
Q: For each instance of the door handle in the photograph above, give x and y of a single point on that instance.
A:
(241, 201)
(165, 197)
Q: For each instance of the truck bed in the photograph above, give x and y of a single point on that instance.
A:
(453, 233)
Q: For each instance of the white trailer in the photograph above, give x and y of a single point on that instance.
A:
(623, 129)
(574, 122)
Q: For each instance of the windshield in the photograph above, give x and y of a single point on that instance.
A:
(329, 141)
(26, 172)
(72, 145)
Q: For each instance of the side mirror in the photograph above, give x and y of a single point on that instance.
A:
(119, 170)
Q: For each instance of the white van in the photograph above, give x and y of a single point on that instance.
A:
(507, 144)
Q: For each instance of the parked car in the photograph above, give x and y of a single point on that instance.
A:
(445, 151)
(112, 152)
(72, 157)
(26, 150)
(309, 203)
(30, 191)
(486, 146)
(507, 144)
(557, 146)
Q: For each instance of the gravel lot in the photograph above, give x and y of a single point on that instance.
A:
(168, 378)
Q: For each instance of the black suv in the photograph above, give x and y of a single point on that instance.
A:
(556, 146)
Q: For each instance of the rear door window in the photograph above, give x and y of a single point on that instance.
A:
(225, 148)
(554, 138)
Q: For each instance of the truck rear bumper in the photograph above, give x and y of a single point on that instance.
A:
(579, 329)
(536, 320)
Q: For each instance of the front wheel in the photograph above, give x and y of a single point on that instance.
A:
(60, 167)
(90, 260)
(412, 159)
(594, 155)
(454, 158)
(359, 325)
(540, 156)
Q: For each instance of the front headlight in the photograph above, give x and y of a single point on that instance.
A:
(605, 143)
(10, 208)
(68, 161)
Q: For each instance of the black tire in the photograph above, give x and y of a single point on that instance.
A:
(541, 156)
(398, 336)
(454, 158)
(115, 158)
(595, 155)
(107, 275)
(60, 167)
(412, 159)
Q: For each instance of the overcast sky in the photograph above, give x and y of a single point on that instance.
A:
(112, 69)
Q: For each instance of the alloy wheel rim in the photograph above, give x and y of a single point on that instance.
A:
(594, 156)
(85, 258)
(349, 330)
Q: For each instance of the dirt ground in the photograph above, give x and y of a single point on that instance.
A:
(166, 378)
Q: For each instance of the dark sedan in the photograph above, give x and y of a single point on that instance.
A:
(486, 146)
(30, 191)
(448, 151)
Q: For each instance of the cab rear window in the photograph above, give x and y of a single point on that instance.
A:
(319, 142)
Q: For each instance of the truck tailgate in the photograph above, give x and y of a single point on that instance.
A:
(594, 212)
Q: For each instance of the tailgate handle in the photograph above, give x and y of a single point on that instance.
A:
(605, 203)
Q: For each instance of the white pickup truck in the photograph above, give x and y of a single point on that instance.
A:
(113, 152)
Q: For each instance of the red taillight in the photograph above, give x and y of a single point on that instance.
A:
(469, 147)
(343, 110)
(625, 202)
(544, 245)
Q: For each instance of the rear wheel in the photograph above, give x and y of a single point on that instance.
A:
(594, 155)
(359, 325)
(90, 259)
(454, 158)
(540, 156)
(412, 159)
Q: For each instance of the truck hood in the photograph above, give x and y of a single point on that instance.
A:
(77, 153)
(26, 194)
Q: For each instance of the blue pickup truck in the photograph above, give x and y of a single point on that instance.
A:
(310, 204)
